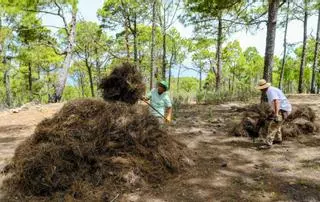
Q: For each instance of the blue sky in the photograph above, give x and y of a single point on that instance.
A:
(88, 10)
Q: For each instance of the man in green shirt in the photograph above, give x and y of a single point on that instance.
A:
(160, 101)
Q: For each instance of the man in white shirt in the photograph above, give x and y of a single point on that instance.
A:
(281, 110)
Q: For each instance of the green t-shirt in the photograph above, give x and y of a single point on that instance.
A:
(159, 102)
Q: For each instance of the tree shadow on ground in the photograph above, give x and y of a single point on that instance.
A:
(301, 191)
(7, 139)
(312, 163)
(232, 169)
(313, 141)
(214, 178)
(10, 128)
(223, 172)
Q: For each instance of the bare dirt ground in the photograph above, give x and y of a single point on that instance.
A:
(226, 168)
(15, 127)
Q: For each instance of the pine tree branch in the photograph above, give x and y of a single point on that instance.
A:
(40, 11)
(61, 14)
(54, 48)
(172, 21)
(282, 3)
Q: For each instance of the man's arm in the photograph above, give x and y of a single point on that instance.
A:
(169, 114)
(276, 107)
(168, 106)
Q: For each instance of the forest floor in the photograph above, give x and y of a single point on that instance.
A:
(225, 168)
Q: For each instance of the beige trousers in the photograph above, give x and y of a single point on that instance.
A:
(274, 133)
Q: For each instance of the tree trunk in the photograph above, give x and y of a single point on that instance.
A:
(126, 38)
(39, 73)
(63, 75)
(6, 81)
(172, 59)
(218, 56)
(153, 33)
(232, 83)
(169, 77)
(6, 77)
(89, 68)
(315, 59)
(135, 45)
(164, 53)
(97, 64)
(30, 82)
(200, 79)
(164, 45)
(270, 41)
(48, 81)
(304, 46)
(81, 82)
(178, 79)
(284, 46)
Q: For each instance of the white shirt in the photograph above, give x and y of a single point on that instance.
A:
(276, 94)
(159, 102)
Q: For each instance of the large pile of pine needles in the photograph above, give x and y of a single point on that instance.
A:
(93, 150)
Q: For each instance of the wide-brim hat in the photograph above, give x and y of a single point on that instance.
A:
(263, 84)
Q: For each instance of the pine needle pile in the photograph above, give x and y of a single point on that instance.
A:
(92, 150)
(257, 118)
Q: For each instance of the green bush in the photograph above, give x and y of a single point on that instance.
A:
(214, 97)
(179, 99)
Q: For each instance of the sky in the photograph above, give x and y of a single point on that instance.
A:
(88, 11)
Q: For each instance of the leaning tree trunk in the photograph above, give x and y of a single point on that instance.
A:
(67, 61)
(218, 56)
(153, 33)
(304, 46)
(284, 46)
(315, 59)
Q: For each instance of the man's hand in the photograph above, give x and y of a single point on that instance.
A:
(277, 118)
(168, 119)
(144, 98)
